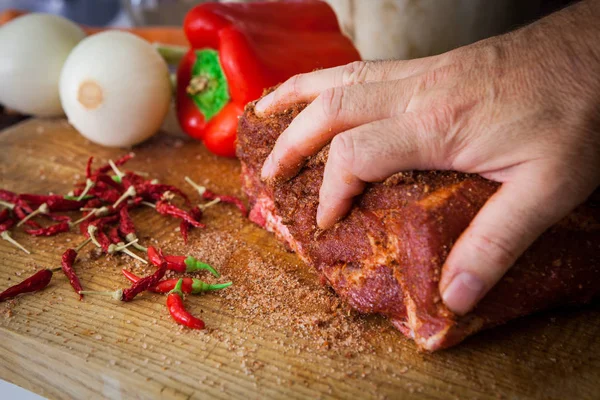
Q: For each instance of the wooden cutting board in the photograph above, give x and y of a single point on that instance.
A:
(276, 333)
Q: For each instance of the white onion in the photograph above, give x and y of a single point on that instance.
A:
(115, 89)
(34, 48)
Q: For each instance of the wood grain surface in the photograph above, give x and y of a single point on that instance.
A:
(276, 333)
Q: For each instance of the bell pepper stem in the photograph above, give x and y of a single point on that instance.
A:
(170, 53)
(6, 236)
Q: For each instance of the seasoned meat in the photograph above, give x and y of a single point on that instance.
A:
(386, 256)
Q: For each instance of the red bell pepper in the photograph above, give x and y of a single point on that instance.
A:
(240, 49)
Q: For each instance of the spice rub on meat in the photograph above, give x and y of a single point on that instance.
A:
(386, 256)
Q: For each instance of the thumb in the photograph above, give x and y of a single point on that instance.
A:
(503, 229)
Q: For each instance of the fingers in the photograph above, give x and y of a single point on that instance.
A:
(306, 87)
(370, 153)
(502, 230)
(335, 110)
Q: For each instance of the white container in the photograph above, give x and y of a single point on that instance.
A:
(403, 29)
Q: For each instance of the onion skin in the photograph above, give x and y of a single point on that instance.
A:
(34, 48)
(115, 89)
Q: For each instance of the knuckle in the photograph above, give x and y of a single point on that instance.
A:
(332, 101)
(291, 86)
(355, 72)
(342, 151)
(435, 76)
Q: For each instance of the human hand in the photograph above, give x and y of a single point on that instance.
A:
(522, 109)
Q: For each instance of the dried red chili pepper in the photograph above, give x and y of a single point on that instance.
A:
(42, 209)
(35, 282)
(156, 191)
(98, 237)
(55, 202)
(184, 227)
(105, 168)
(4, 215)
(5, 234)
(135, 289)
(67, 261)
(50, 230)
(105, 194)
(59, 218)
(21, 215)
(209, 195)
(98, 223)
(88, 167)
(9, 196)
(106, 180)
(127, 228)
(178, 311)
(93, 203)
(113, 235)
(166, 208)
(133, 179)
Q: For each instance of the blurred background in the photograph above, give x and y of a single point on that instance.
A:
(380, 28)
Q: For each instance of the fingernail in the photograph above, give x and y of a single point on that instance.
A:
(463, 292)
(322, 221)
(268, 167)
(264, 103)
(319, 213)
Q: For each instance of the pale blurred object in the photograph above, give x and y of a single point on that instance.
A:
(158, 12)
(403, 29)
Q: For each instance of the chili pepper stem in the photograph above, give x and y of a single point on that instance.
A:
(6, 236)
(116, 170)
(99, 212)
(80, 220)
(170, 53)
(42, 209)
(85, 242)
(146, 203)
(131, 237)
(211, 203)
(92, 232)
(132, 254)
(117, 294)
(200, 189)
(122, 247)
(7, 204)
(55, 269)
(130, 192)
(88, 185)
